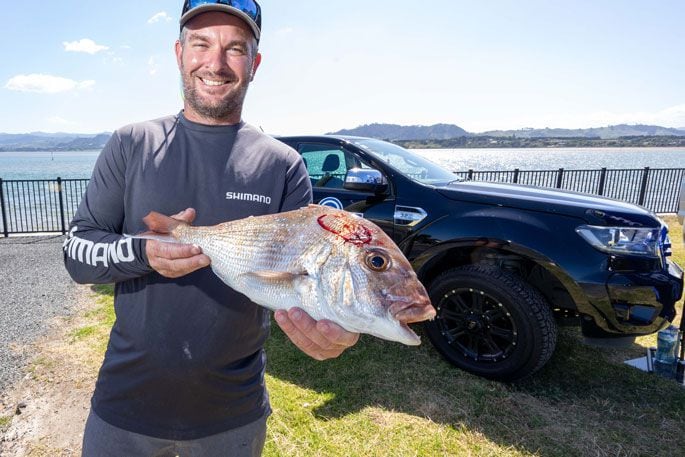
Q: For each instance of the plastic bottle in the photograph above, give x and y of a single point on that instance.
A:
(665, 360)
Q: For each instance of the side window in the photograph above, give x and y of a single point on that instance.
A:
(327, 165)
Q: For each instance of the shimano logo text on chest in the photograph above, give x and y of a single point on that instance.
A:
(248, 197)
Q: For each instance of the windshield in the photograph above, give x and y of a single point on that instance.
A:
(406, 162)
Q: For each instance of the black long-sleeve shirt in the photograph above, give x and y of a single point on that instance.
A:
(185, 357)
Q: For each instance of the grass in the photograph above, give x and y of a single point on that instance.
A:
(4, 421)
(676, 234)
(100, 319)
(386, 399)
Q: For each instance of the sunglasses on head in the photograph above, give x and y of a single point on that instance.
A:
(249, 7)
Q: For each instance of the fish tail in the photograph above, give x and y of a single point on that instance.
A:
(159, 223)
(161, 228)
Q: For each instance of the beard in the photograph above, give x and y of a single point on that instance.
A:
(229, 106)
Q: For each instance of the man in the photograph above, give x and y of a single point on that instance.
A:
(184, 369)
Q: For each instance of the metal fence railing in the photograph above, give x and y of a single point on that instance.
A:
(654, 188)
(35, 206)
(48, 205)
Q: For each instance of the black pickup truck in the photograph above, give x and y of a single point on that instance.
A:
(502, 263)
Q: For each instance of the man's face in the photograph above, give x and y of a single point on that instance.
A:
(217, 60)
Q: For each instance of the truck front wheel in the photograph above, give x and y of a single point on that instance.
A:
(491, 323)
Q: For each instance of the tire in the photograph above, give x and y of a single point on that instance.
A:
(491, 323)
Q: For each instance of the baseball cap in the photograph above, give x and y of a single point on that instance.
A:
(247, 10)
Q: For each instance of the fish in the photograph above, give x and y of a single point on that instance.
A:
(331, 263)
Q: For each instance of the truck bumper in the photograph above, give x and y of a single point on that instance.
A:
(633, 303)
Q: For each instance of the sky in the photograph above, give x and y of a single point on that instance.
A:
(85, 66)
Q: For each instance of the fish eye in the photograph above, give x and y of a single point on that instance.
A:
(377, 261)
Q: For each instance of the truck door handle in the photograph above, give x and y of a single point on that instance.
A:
(408, 216)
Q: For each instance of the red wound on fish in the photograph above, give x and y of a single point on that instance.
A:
(345, 228)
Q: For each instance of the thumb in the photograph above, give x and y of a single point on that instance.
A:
(187, 215)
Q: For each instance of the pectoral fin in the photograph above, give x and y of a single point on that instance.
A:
(272, 278)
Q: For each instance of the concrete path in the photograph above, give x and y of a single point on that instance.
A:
(34, 287)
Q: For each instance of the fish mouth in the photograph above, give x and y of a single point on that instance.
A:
(410, 312)
(394, 331)
(408, 336)
(414, 306)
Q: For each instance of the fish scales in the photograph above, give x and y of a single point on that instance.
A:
(330, 263)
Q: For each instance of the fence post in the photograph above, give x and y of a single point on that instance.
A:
(4, 211)
(61, 204)
(602, 179)
(560, 177)
(516, 175)
(470, 175)
(643, 186)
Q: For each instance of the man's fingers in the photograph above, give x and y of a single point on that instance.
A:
(320, 340)
(187, 215)
(171, 250)
(324, 333)
(175, 260)
(298, 338)
(310, 330)
(302, 320)
(336, 334)
(179, 267)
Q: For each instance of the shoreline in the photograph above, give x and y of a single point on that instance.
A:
(430, 144)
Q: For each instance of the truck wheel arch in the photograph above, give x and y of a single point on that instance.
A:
(557, 286)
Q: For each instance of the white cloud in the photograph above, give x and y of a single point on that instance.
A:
(153, 65)
(674, 116)
(84, 45)
(46, 84)
(112, 59)
(161, 16)
(60, 121)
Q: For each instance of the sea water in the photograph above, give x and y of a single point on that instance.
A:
(47, 164)
(79, 164)
(508, 159)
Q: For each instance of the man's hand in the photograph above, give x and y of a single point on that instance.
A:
(320, 340)
(176, 260)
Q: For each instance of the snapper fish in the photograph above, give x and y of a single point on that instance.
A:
(330, 263)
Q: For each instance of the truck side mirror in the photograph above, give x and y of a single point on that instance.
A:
(365, 180)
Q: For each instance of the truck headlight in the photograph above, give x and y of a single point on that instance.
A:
(622, 240)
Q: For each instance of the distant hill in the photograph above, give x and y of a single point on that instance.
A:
(411, 132)
(609, 132)
(39, 141)
(96, 142)
(438, 135)
(396, 132)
